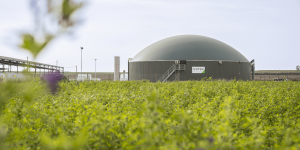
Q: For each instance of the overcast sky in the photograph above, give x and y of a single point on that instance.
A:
(265, 30)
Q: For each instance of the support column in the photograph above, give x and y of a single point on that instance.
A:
(123, 75)
(117, 69)
(178, 75)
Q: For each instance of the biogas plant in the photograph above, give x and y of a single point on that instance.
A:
(189, 57)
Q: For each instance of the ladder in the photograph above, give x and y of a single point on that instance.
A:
(170, 71)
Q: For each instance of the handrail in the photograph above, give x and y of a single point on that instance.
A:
(170, 71)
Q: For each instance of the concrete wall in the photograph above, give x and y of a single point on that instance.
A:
(272, 77)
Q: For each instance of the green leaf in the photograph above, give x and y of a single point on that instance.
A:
(30, 44)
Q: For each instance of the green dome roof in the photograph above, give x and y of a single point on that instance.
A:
(189, 47)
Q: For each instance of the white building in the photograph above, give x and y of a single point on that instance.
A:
(124, 78)
(84, 77)
(12, 76)
(96, 79)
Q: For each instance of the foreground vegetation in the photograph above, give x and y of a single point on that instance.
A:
(143, 115)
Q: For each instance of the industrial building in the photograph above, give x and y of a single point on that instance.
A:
(189, 57)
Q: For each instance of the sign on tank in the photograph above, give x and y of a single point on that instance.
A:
(198, 69)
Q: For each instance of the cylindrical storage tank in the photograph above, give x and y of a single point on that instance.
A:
(202, 57)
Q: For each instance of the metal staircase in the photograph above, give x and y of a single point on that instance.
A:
(170, 71)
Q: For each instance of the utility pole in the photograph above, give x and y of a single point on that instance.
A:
(81, 62)
(95, 69)
(76, 71)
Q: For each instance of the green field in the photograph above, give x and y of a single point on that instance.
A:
(142, 115)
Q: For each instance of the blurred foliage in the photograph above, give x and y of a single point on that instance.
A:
(68, 8)
(24, 92)
(28, 90)
(30, 44)
(142, 115)
(59, 13)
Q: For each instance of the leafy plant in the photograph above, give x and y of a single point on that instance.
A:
(144, 115)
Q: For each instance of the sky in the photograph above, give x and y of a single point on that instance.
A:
(265, 30)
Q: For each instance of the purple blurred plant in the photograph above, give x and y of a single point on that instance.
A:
(211, 140)
(52, 80)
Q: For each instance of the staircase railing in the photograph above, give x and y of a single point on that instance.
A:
(170, 71)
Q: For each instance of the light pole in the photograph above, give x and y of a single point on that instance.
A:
(95, 70)
(81, 62)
